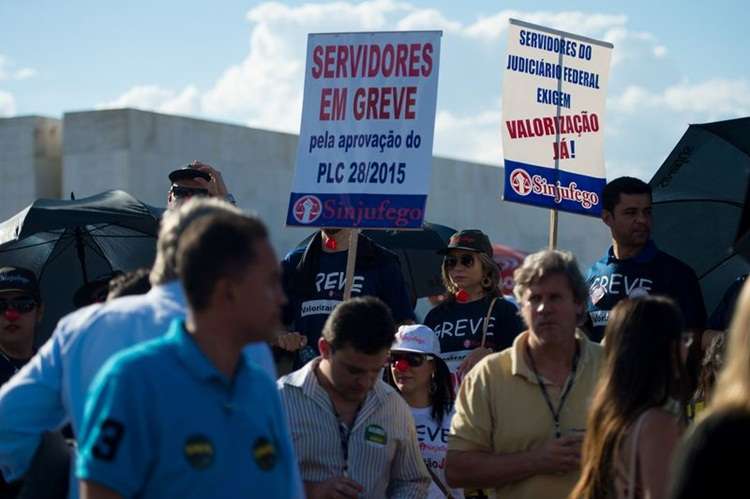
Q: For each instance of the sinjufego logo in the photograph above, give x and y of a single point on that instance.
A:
(307, 209)
(520, 182)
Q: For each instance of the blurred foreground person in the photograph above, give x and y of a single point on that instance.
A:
(710, 462)
(354, 434)
(416, 370)
(638, 408)
(520, 413)
(187, 415)
(51, 390)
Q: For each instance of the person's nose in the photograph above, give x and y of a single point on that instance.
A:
(12, 315)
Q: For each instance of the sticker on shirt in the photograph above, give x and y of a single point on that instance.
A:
(597, 293)
(376, 436)
(638, 293)
(199, 452)
(264, 453)
(599, 317)
(318, 307)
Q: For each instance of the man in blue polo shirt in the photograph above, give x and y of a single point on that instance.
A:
(633, 266)
(186, 415)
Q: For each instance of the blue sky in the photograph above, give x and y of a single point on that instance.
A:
(675, 63)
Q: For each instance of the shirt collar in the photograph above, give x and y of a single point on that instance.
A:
(645, 255)
(519, 366)
(171, 290)
(305, 379)
(192, 357)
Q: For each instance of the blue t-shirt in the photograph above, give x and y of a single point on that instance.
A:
(649, 272)
(162, 421)
(312, 297)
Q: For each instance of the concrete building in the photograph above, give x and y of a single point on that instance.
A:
(134, 150)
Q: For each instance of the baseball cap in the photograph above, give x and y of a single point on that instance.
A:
(19, 279)
(187, 172)
(416, 338)
(469, 240)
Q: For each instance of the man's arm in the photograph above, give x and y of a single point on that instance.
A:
(30, 404)
(483, 469)
(409, 476)
(92, 490)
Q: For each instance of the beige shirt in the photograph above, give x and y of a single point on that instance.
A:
(384, 455)
(501, 409)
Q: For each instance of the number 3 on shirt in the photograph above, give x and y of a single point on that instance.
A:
(110, 434)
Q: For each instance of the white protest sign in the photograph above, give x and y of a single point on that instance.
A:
(554, 93)
(365, 147)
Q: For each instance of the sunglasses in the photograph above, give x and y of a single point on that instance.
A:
(411, 358)
(22, 305)
(465, 260)
(186, 192)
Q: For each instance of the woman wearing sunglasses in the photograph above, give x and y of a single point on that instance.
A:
(416, 370)
(474, 320)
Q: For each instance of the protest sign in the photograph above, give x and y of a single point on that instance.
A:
(554, 92)
(365, 148)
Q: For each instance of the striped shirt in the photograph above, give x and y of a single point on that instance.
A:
(383, 454)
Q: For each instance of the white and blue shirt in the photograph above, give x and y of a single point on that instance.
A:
(162, 421)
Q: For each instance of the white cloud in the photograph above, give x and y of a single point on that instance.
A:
(490, 28)
(8, 70)
(476, 136)
(428, 19)
(712, 99)
(155, 98)
(7, 104)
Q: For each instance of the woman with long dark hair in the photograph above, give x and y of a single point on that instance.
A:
(416, 370)
(637, 414)
(474, 320)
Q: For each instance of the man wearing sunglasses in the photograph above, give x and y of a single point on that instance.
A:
(20, 312)
(196, 179)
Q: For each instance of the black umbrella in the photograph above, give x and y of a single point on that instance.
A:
(700, 197)
(417, 252)
(69, 244)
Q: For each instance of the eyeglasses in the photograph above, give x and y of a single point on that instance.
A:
(465, 260)
(22, 305)
(411, 358)
(179, 191)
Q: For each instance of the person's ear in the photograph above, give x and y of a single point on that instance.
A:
(39, 313)
(608, 218)
(324, 348)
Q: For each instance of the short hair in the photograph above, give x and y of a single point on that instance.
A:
(622, 185)
(135, 282)
(364, 323)
(217, 246)
(173, 224)
(546, 262)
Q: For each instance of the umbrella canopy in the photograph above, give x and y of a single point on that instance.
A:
(417, 252)
(72, 243)
(508, 259)
(700, 194)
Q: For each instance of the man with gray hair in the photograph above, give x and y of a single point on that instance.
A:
(521, 413)
(51, 389)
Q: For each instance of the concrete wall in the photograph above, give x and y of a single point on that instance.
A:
(134, 150)
(30, 161)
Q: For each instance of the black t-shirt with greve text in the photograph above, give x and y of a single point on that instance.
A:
(459, 327)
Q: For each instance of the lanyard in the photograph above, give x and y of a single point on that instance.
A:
(566, 389)
(344, 433)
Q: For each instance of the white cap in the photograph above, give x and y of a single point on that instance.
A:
(417, 338)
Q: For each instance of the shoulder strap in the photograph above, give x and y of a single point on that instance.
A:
(443, 488)
(632, 471)
(487, 320)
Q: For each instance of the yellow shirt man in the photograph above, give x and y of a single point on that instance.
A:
(502, 409)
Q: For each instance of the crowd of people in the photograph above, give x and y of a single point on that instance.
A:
(224, 371)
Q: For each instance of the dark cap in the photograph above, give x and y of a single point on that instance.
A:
(188, 173)
(20, 280)
(469, 240)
